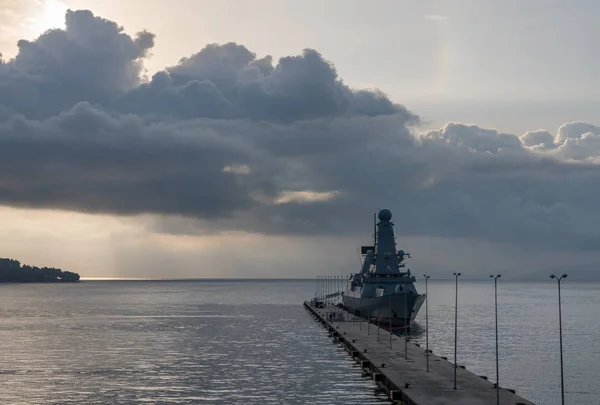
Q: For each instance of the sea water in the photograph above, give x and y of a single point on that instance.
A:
(251, 342)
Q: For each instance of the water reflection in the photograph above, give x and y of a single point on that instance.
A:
(169, 343)
(252, 342)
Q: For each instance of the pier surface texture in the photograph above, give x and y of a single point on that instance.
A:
(405, 377)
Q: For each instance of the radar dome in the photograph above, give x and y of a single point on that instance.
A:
(385, 215)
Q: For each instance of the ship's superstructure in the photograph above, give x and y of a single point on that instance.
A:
(383, 291)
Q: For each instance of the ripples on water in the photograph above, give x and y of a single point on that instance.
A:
(528, 335)
(170, 342)
(229, 342)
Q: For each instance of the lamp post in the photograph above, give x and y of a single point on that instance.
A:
(361, 314)
(328, 298)
(325, 292)
(562, 380)
(321, 288)
(335, 288)
(317, 293)
(406, 323)
(390, 317)
(496, 308)
(455, 325)
(337, 294)
(426, 323)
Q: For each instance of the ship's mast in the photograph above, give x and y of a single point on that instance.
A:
(386, 258)
(374, 229)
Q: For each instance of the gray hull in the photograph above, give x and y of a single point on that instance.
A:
(400, 308)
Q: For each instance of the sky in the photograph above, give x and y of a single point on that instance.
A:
(255, 139)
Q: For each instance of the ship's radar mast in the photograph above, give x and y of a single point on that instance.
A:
(385, 215)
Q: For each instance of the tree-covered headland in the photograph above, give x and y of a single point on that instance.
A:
(13, 271)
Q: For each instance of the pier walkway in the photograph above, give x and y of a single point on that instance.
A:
(405, 376)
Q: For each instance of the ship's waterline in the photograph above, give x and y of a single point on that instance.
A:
(394, 309)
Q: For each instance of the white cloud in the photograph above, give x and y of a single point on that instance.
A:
(237, 169)
(304, 196)
(438, 18)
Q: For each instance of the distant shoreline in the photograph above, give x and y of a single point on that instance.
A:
(11, 271)
(38, 281)
(313, 279)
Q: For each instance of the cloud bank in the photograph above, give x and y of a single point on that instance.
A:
(227, 140)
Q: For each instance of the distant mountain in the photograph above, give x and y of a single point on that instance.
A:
(12, 271)
(580, 272)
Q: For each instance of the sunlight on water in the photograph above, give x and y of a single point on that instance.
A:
(224, 342)
(180, 342)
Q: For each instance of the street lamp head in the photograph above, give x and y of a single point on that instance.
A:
(552, 276)
(499, 275)
(491, 276)
(563, 276)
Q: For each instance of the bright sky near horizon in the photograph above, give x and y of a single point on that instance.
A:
(515, 66)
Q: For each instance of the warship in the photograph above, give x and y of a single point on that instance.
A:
(383, 291)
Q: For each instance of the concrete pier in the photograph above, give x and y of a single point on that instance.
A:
(406, 379)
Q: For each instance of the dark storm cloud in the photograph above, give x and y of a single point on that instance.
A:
(461, 181)
(228, 140)
(228, 81)
(90, 60)
(87, 160)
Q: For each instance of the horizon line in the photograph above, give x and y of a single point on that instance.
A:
(282, 279)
